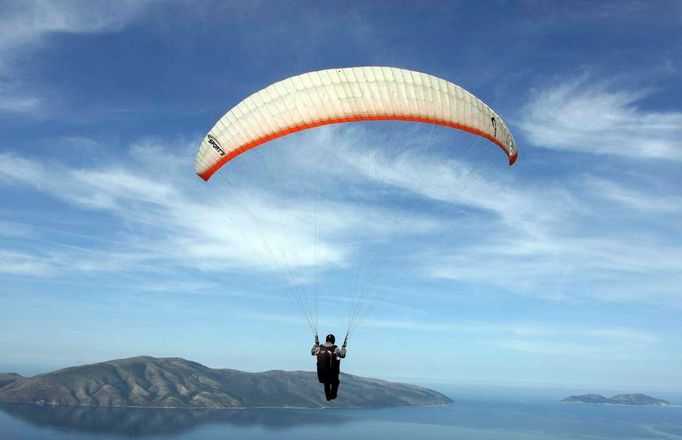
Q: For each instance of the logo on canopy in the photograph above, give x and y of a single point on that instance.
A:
(216, 146)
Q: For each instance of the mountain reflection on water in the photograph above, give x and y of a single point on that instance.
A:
(476, 419)
(155, 421)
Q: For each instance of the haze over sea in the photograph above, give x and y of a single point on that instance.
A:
(478, 413)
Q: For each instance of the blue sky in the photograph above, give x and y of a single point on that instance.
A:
(562, 270)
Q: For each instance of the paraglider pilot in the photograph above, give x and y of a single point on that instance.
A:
(328, 364)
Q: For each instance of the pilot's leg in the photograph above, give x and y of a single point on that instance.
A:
(334, 389)
(328, 391)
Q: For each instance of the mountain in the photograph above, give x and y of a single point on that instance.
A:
(618, 399)
(636, 399)
(6, 378)
(174, 382)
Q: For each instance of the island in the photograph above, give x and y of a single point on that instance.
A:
(146, 381)
(618, 399)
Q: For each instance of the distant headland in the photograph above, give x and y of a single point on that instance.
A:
(178, 383)
(618, 399)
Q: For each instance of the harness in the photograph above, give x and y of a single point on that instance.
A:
(328, 365)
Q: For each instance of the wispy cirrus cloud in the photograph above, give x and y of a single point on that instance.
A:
(555, 241)
(14, 100)
(523, 330)
(14, 229)
(26, 23)
(26, 26)
(580, 341)
(23, 263)
(162, 213)
(597, 117)
(652, 199)
(166, 222)
(549, 338)
(552, 241)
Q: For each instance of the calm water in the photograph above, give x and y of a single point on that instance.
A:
(475, 415)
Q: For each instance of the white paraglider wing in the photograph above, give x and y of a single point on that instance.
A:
(344, 95)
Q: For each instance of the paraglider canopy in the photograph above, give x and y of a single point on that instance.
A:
(345, 95)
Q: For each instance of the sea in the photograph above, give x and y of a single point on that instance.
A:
(477, 413)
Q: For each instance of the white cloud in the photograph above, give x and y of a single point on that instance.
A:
(575, 267)
(174, 225)
(533, 238)
(167, 215)
(14, 169)
(596, 117)
(523, 330)
(650, 200)
(25, 26)
(554, 241)
(12, 262)
(13, 100)
(533, 337)
(25, 23)
(14, 229)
